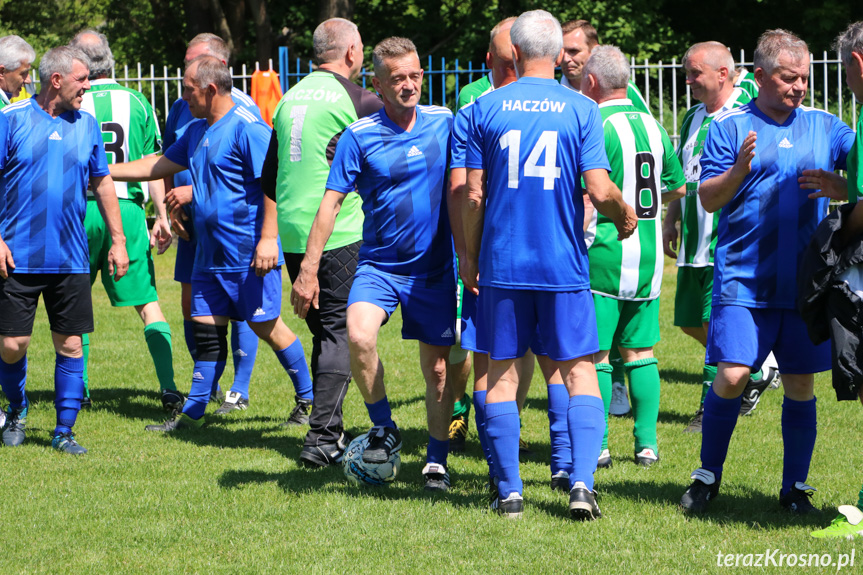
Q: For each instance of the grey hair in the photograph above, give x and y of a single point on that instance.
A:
(610, 68)
(215, 45)
(95, 45)
(538, 36)
(772, 43)
(716, 55)
(332, 38)
(15, 51)
(497, 27)
(59, 60)
(211, 70)
(393, 47)
(851, 40)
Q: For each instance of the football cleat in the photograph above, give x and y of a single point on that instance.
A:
(13, 432)
(218, 396)
(797, 500)
(458, 429)
(177, 421)
(512, 507)
(582, 503)
(300, 413)
(383, 442)
(65, 443)
(524, 451)
(694, 425)
(848, 525)
(172, 400)
(754, 389)
(325, 454)
(646, 457)
(436, 477)
(233, 402)
(604, 461)
(704, 488)
(619, 400)
(86, 403)
(560, 481)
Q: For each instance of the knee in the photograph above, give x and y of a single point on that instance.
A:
(12, 349)
(68, 345)
(361, 340)
(436, 368)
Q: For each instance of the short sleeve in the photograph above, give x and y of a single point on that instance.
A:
(474, 157)
(720, 149)
(171, 125)
(672, 172)
(4, 140)
(254, 141)
(98, 160)
(459, 137)
(592, 154)
(178, 152)
(347, 164)
(841, 142)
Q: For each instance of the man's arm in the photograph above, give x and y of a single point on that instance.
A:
(267, 251)
(718, 191)
(146, 169)
(109, 207)
(455, 200)
(609, 202)
(829, 184)
(270, 171)
(473, 215)
(673, 195)
(161, 235)
(7, 264)
(306, 289)
(669, 229)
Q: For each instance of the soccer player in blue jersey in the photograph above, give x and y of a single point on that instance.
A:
(236, 273)
(43, 245)
(396, 159)
(529, 146)
(244, 343)
(752, 158)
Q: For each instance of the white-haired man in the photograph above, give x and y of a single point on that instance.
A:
(16, 58)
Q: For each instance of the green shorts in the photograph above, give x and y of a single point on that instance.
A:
(631, 324)
(138, 286)
(694, 293)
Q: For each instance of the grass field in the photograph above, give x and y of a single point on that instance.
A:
(232, 498)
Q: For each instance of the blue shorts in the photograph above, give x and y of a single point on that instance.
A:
(468, 328)
(746, 336)
(238, 295)
(509, 321)
(428, 304)
(185, 260)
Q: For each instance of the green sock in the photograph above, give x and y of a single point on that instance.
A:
(85, 348)
(707, 377)
(461, 407)
(757, 375)
(158, 336)
(860, 500)
(603, 375)
(644, 393)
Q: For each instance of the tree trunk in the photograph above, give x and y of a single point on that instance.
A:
(335, 9)
(263, 32)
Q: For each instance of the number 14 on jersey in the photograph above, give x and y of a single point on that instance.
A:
(545, 146)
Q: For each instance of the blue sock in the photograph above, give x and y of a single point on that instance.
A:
(13, 376)
(204, 379)
(503, 428)
(437, 451)
(244, 345)
(799, 428)
(68, 391)
(720, 417)
(293, 359)
(189, 336)
(586, 421)
(381, 414)
(479, 416)
(558, 405)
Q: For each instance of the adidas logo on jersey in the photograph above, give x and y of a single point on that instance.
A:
(206, 142)
(785, 143)
(55, 136)
(413, 152)
(258, 312)
(447, 333)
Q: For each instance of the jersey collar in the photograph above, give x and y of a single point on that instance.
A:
(617, 102)
(102, 82)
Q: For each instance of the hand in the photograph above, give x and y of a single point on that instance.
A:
(305, 292)
(178, 216)
(627, 224)
(743, 163)
(118, 261)
(7, 264)
(266, 256)
(468, 270)
(178, 197)
(829, 184)
(161, 235)
(669, 240)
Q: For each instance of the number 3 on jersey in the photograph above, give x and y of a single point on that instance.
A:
(549, 171)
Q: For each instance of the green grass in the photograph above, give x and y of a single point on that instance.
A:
(232, 498)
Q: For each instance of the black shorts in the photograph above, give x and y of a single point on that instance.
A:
(67, 301)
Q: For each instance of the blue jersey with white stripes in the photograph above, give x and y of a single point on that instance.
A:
(534, 138)
(764, 229)
(49, 165)
(401, 178)
(225, 162)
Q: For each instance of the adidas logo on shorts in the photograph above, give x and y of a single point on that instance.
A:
(414, 151)
(258, 312)
(55, 136)
(447, 333)
(785, 143)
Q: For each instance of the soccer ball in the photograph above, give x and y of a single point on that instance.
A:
(361, 473)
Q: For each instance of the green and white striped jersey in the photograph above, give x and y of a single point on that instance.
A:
(129, 129)
(746, 82)
(855, 166)
(697, 227)
(643, 165)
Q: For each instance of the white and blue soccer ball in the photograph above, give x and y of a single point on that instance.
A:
(361, 473)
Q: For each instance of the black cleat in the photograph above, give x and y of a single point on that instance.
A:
(753, 390)
(178, 421)
(218, 396)
(704, 489)
(582, 503)
(300, 413)
(383, 442)
(325, 454)
(646, 457)
(172, 400)
(13, 432)
(694, 425)
(458, 429)
(798, 499)
(524, 451)
(512, 507)
(560, 482)
(65, 443)
(86, 403)
(604, 460)
(436, 477)
(233, 402)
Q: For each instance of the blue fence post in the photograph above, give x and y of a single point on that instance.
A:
(283, 68)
